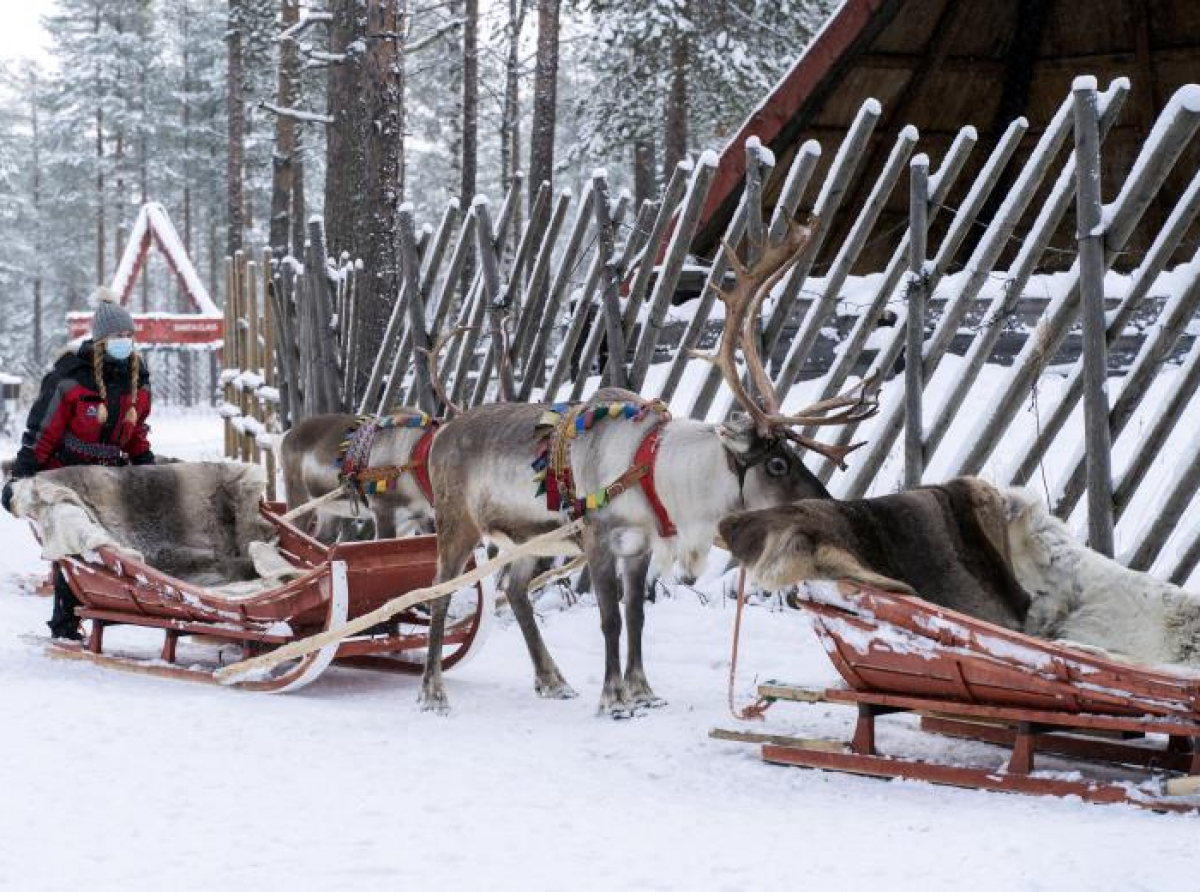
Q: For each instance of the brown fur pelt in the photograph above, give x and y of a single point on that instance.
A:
(191, 520)
(946, 543)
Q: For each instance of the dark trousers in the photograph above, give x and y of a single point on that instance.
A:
(63, 622)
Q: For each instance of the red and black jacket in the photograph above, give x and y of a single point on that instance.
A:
(64, 426)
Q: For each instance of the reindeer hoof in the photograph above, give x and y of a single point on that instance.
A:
(555, 690)
(649, 700)
(437, 703)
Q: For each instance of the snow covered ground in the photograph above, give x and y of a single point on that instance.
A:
(111, 781)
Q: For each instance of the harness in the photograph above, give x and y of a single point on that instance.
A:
(354, 456)
(562, 423)
(94, 453)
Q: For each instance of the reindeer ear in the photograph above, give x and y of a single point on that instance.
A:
(1017, 501)
(737, 434)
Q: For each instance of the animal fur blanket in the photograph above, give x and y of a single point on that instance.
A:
(946, 543)
(195, 521)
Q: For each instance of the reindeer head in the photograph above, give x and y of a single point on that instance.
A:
(770, 472)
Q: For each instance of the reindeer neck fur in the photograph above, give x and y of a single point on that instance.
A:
(692, 478)
(1082, 596)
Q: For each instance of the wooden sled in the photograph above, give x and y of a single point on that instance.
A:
(968, 678)
(337, 583)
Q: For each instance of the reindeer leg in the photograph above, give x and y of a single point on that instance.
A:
(614, 699)
(548, 680)
(635, 570)
(454, 547)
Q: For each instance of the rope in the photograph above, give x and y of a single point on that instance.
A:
(236, 672)
(759, 707)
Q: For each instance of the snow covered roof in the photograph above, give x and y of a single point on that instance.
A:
(942, 65)
(153, 225)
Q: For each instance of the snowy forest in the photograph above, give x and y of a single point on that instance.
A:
(242, 118)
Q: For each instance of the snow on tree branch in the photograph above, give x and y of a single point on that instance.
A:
(296, 113)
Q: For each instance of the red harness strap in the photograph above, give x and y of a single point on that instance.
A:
(420, 461)
(645, 456)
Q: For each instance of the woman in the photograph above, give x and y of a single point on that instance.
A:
(91, 410)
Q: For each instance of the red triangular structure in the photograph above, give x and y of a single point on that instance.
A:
(204, 326)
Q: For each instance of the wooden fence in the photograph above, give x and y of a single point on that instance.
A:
(583, 294)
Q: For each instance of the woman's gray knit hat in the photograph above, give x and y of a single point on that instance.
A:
(110, 317)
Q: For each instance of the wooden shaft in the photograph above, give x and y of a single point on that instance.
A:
(614, 373)
(917, 296)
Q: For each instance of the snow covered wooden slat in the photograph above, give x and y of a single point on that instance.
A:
(850, 351)
(823, 306)
(583, 306)
(980, 265)
(1172, 132)
(533, 301)
(532, 371)
(672, 265)
(837, 183)
(610, 305)
(964, 219)
(410, 269)
(1033, 246)
(485, 249)
(635, 244)
(669, 201)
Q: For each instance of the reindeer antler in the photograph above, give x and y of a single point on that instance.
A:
(743, 303)
(431, 357)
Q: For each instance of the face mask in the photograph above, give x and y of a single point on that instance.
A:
(119, 349)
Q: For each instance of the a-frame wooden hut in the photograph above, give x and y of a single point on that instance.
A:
(942, 64)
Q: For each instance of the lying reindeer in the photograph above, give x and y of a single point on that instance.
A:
(648, 485)
(946, 543)
(1082, 597)
(379, 462)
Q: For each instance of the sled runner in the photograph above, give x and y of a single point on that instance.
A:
(968, 678)
(307, 588)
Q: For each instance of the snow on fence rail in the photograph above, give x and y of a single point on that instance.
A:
(544, 304)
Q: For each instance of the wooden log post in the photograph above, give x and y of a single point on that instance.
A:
(824, 306)
(1184, 483)
(672, 265)
(610, 302)
(271, 406)
(330, 374)
(633, 245)
(533, 370)
(416, 309)
(833, 190)
(253, 364)
(1090, 236)
(497, 305)
(1162, 249)
(583, 307)
(795, 183)
(917, 297)
(1158, 156)
(853, 346)
(533, 299)
(1054, 207)
(229, 358)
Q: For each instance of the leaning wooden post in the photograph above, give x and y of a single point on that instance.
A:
(614, 374)
(1090, 234)
(228, 349)
(416, 308)
(497, 305)
(252, 373)
(917, 296)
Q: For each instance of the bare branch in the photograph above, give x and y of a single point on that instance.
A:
(304, 24)
(298, 114)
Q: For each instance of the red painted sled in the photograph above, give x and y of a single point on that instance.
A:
(968, 678)
(337, 583)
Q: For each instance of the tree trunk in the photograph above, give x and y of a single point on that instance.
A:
(235, 107)
(545, 99)
(299, 206)
(643, 171)
(381, 89)
(285, 136)
(675, 138)
(187, 130)
(470, 99)
(37, 220)
(100, 233)
(345, 137)
(510, 121)
(143, 171)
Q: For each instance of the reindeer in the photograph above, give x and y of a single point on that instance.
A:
(390, 478)
(656, 488)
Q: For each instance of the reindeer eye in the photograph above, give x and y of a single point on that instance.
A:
(776, 466)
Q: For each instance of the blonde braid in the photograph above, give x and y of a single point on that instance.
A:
(135, 370)
(98, 374)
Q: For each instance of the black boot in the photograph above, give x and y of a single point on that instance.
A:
(63, 622)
